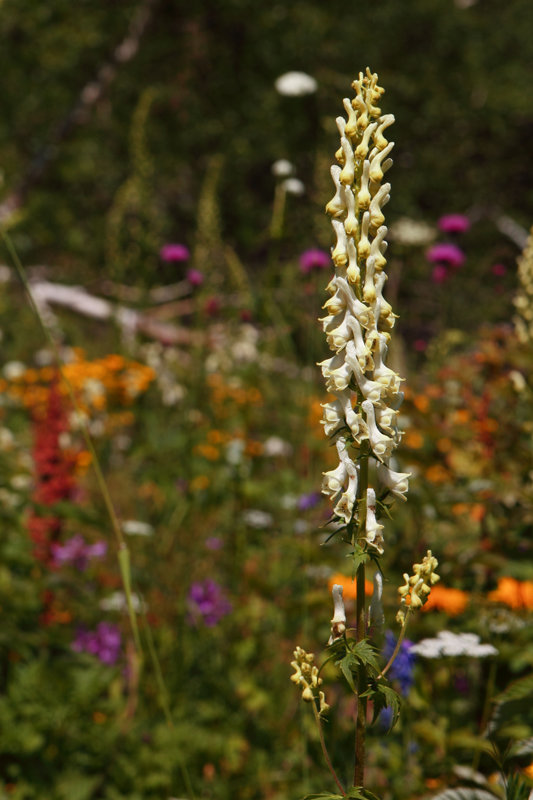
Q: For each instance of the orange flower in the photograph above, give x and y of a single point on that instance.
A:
(444, 445)
(208, 451)
(253, 448)
(460, 508)
(452, 601)
(437, 474)
(513, 593)
(199, 483)
(349, 587)
(414, 440)
(421, 402)
(528, 771)
(461, 417)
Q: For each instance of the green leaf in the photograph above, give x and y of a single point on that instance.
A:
(464, 794)
(366, 654)
(359, 793)
(346, 665)
(323, 796)
(383, 695)
(518, 690)
(522, 748)
(359, 557)
(517, 788)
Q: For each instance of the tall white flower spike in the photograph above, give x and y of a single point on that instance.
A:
(358, 321)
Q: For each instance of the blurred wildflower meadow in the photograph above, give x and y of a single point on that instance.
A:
(165, 545)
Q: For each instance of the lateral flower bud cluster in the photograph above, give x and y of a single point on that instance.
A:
(306, 676)
(524, 297)
(415, 591)
(358, 319)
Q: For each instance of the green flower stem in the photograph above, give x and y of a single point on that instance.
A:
(396, 650)
(325, 750)
(278, 212)
(489, 692)
(360, 725)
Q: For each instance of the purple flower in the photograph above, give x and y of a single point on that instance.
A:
(75, 551)
(174, 252)
(104, 642)
(403, 664)
(446, 253)
(214, 543)
(454, 223)
(195, 277)
(314, 259)
(308, 501)
(207, 603)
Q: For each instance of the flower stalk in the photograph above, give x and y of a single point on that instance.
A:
(361, 416)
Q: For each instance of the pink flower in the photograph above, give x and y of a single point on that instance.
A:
(174, 252)
(454, 223)
(314, 259)
(195, 277)
(212, 306)
(445, 253)
(499, 270)
(439, 274)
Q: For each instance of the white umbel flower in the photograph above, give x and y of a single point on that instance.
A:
(295, 84)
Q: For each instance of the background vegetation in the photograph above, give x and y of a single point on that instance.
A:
(128, 126)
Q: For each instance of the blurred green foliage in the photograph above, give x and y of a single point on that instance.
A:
(177, 145)
(457, 79)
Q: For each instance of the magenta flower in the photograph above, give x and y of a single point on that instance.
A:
(212, 306)
(174, 252)
(439, 273)
(207, 603)
(445, 253)
(75, 551)
(195, 277)
(104, 642)
(499, 270)
(454, 223)
(314, 259)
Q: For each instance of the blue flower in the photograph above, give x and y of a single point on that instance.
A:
(403, 665)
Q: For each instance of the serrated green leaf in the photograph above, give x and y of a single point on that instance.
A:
(323, 796)
(518, 690)
(386, 696)
(366, 654)
(522, 748)
(464, 794)
(359, 793)
(359, 557)
(466, 740)
(346, 666)
(356, 793)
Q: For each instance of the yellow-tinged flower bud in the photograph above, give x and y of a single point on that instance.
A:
(417, 587)
(367, 395)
